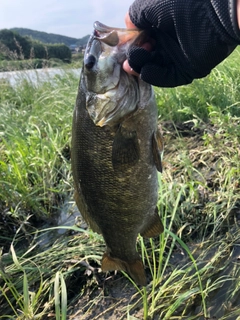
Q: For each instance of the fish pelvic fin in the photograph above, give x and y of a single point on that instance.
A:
(134, 268)
(154, 226)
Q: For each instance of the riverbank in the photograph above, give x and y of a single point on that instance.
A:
(36, 76)
(29, 64)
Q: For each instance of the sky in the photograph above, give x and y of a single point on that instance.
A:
(73, 18)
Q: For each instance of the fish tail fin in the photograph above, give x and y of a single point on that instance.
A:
(134, 268)
(137, 272)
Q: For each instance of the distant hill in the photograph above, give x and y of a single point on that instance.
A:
(51, 37)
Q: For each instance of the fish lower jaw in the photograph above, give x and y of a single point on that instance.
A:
(102, 122)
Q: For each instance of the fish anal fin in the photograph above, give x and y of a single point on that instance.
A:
(134, 268)
(154, 226)
(125, 149)
(157, 147)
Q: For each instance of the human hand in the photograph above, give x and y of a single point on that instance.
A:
(191, 38)
(126, 66)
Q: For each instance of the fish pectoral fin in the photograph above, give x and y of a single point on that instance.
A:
(157, 147)
(125, 149)
(154, 226)
(135, 268)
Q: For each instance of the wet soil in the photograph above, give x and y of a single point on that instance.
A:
(111, 297)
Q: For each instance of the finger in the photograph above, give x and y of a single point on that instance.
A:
(138, 57)
(128, 69)
(164, 76)
(128, 22)
(147, 46)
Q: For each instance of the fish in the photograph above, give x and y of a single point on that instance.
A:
(116, 150)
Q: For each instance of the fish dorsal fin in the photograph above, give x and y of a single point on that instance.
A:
(154, 226)
(157, 147)
(125, 149)
(134, 268)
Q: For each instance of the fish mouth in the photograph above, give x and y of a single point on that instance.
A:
(111, 92)
(106, 34)
(114, 36)
(101, 34)
(111, 37)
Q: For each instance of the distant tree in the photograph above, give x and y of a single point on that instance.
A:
(16, 43)
(5, 53)
(15, 47)
(39, 50)
(51, 38)
(60, 51)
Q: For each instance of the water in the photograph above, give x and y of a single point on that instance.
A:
(35, 75)
(69, 216)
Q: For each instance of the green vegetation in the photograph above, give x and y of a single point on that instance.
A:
(19, 52)
(35, 133)
(52, 272)
(51, 37)
(7, 65)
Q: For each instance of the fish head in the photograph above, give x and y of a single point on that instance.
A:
(111, 93)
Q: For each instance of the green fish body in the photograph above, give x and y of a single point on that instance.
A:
(116, 151)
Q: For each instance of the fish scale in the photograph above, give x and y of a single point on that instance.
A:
(115, 157)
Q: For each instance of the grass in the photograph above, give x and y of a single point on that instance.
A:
(51, 272)
(14, 65)
(35, 139)
(219, 92)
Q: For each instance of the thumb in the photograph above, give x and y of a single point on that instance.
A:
(128, 22)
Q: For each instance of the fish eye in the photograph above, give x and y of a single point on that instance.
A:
(90, 61)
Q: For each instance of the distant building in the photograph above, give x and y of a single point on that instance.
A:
(74, 48)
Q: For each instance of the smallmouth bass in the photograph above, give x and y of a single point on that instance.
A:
(116, 150)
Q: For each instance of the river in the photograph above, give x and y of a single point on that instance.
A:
(35, 75)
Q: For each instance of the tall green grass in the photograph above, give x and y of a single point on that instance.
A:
(219, 92)
(35, 121)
